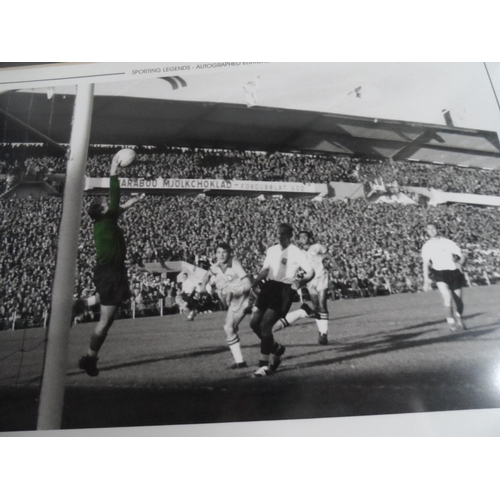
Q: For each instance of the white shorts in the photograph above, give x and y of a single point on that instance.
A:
(318, 284)
(237, 303)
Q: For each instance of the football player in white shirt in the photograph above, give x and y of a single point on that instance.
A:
(233, 284)
(276, 295)
(317, 287)
(188, 297)
(442, 262)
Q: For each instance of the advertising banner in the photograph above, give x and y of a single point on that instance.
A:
(218, 186)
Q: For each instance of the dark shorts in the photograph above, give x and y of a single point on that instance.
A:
(276, 296)
(453, 278)
(112, 285)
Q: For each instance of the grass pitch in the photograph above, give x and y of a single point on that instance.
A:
(386, 355)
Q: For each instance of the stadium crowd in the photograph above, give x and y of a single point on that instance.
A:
(377, 245)
(28, 242)
(259, 166)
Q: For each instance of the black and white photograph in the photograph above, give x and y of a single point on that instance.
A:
(185, 244)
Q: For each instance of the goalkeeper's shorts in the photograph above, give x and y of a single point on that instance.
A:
(111, 284)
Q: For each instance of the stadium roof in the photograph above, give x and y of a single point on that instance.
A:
(33, 117)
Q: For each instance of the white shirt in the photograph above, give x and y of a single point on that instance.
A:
(283, 264)
(440, 252)
(189, 285)
(315, 254)
(233, 275)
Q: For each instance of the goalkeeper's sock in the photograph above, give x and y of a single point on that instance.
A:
(235, 348)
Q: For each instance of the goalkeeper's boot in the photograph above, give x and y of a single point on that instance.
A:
(89, 364)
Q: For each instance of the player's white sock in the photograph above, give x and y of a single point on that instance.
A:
(92, 353)
(235, 347)
(322, 323)
(451, 321)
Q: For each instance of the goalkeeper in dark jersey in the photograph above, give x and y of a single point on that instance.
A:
(110, 274)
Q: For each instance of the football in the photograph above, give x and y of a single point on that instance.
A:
(126, 157)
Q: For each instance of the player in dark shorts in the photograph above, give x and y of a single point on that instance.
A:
(442, 263)
(455, 279)
(276, 295)
(110, 274)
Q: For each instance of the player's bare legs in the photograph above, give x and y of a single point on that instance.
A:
(447, 296)
(108, 314)
(268, 346)
(321, 309)
(233, 319)
(457, 298)
(262, 323)
(255, 322)
(459, 307)
(89, 362)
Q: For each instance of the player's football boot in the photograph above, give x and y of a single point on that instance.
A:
(322, 338)
(263, 371)
(89, 364)
(309, 311)
(460, 324)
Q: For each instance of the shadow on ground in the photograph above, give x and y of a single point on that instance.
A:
(248, 399)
